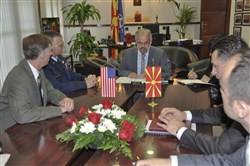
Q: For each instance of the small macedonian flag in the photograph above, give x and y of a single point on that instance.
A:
(153, 81)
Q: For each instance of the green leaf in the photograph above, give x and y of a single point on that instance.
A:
(103, 140)
(77, 14)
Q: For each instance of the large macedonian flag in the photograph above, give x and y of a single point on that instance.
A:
(153, 81)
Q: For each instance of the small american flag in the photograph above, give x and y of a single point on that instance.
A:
(108, 81)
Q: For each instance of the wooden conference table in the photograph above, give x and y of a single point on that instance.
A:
(35, 144)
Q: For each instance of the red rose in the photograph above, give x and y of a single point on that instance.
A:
(107, 104)
(125, 135)
(128, 126)
(70, 120)
(83, 110)
(94, 117)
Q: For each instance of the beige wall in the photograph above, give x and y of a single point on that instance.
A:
(245, 30)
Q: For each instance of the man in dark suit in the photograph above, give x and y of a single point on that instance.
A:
(236, 98)
(26, 91)
(58, 72)
(234, 134)
(136, 59)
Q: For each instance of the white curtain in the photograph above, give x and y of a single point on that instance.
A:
(18, 19)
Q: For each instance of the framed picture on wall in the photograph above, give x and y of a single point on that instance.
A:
(246, 19)
(50, 24)
(238, 5)
(237, 31)
(246, 5)
(237, 19)
(137, 2)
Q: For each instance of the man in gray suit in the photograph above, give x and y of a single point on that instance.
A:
(234, 134)
(236, 98)
(26, 91)
(136, 59)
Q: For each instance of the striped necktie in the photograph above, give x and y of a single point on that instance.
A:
(143, 63)
(39, 85)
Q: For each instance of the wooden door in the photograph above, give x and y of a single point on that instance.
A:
(215, 16)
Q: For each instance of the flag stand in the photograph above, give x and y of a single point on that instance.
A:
(152, 103)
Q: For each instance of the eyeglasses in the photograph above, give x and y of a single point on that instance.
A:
(143, 43)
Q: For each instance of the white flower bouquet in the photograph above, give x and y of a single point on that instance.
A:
(105, 126)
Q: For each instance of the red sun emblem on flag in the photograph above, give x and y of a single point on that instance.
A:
(153, 81)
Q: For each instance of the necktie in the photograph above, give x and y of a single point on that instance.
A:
(143, 63)
(39, 85)
(248, 152)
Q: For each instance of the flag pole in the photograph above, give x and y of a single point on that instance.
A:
(153, 103)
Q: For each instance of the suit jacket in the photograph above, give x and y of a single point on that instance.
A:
(62, 78)
(235, 159)
(20, 96)
(129, 61)
(232, 138)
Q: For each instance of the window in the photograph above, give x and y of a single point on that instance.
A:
(18, 19)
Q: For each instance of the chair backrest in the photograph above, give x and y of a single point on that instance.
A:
(120, 56)
(180, 56)
(201, 67)
(92, 65)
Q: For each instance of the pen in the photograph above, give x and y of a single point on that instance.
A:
(191, 70)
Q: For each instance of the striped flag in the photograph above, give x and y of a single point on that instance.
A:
(107, 81)
(153, 81)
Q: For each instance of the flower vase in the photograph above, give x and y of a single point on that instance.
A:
(98, 138)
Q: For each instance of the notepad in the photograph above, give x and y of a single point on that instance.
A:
(192, 81)
(153, 129)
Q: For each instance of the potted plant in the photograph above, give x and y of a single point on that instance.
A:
(186, 16)
(83, 44)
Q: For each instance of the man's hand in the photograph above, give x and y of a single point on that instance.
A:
(92, 76)
(66, 105)
(143, 75)
(154, 162)
(91, 81)
(192, 75)
(132, 75)
(175, 112)
(171, 124)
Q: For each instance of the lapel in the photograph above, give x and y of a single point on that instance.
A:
(134, 61)
(24, 64)
(150, 56)
(60, 67)
(43, 84)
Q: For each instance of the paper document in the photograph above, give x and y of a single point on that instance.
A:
(4, 158)
(192, 81)
(127, 80)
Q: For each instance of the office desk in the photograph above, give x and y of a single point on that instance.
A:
(35, 144)
(161, 146)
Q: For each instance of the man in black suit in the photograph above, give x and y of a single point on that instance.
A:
(234, 135)
(236, 98)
